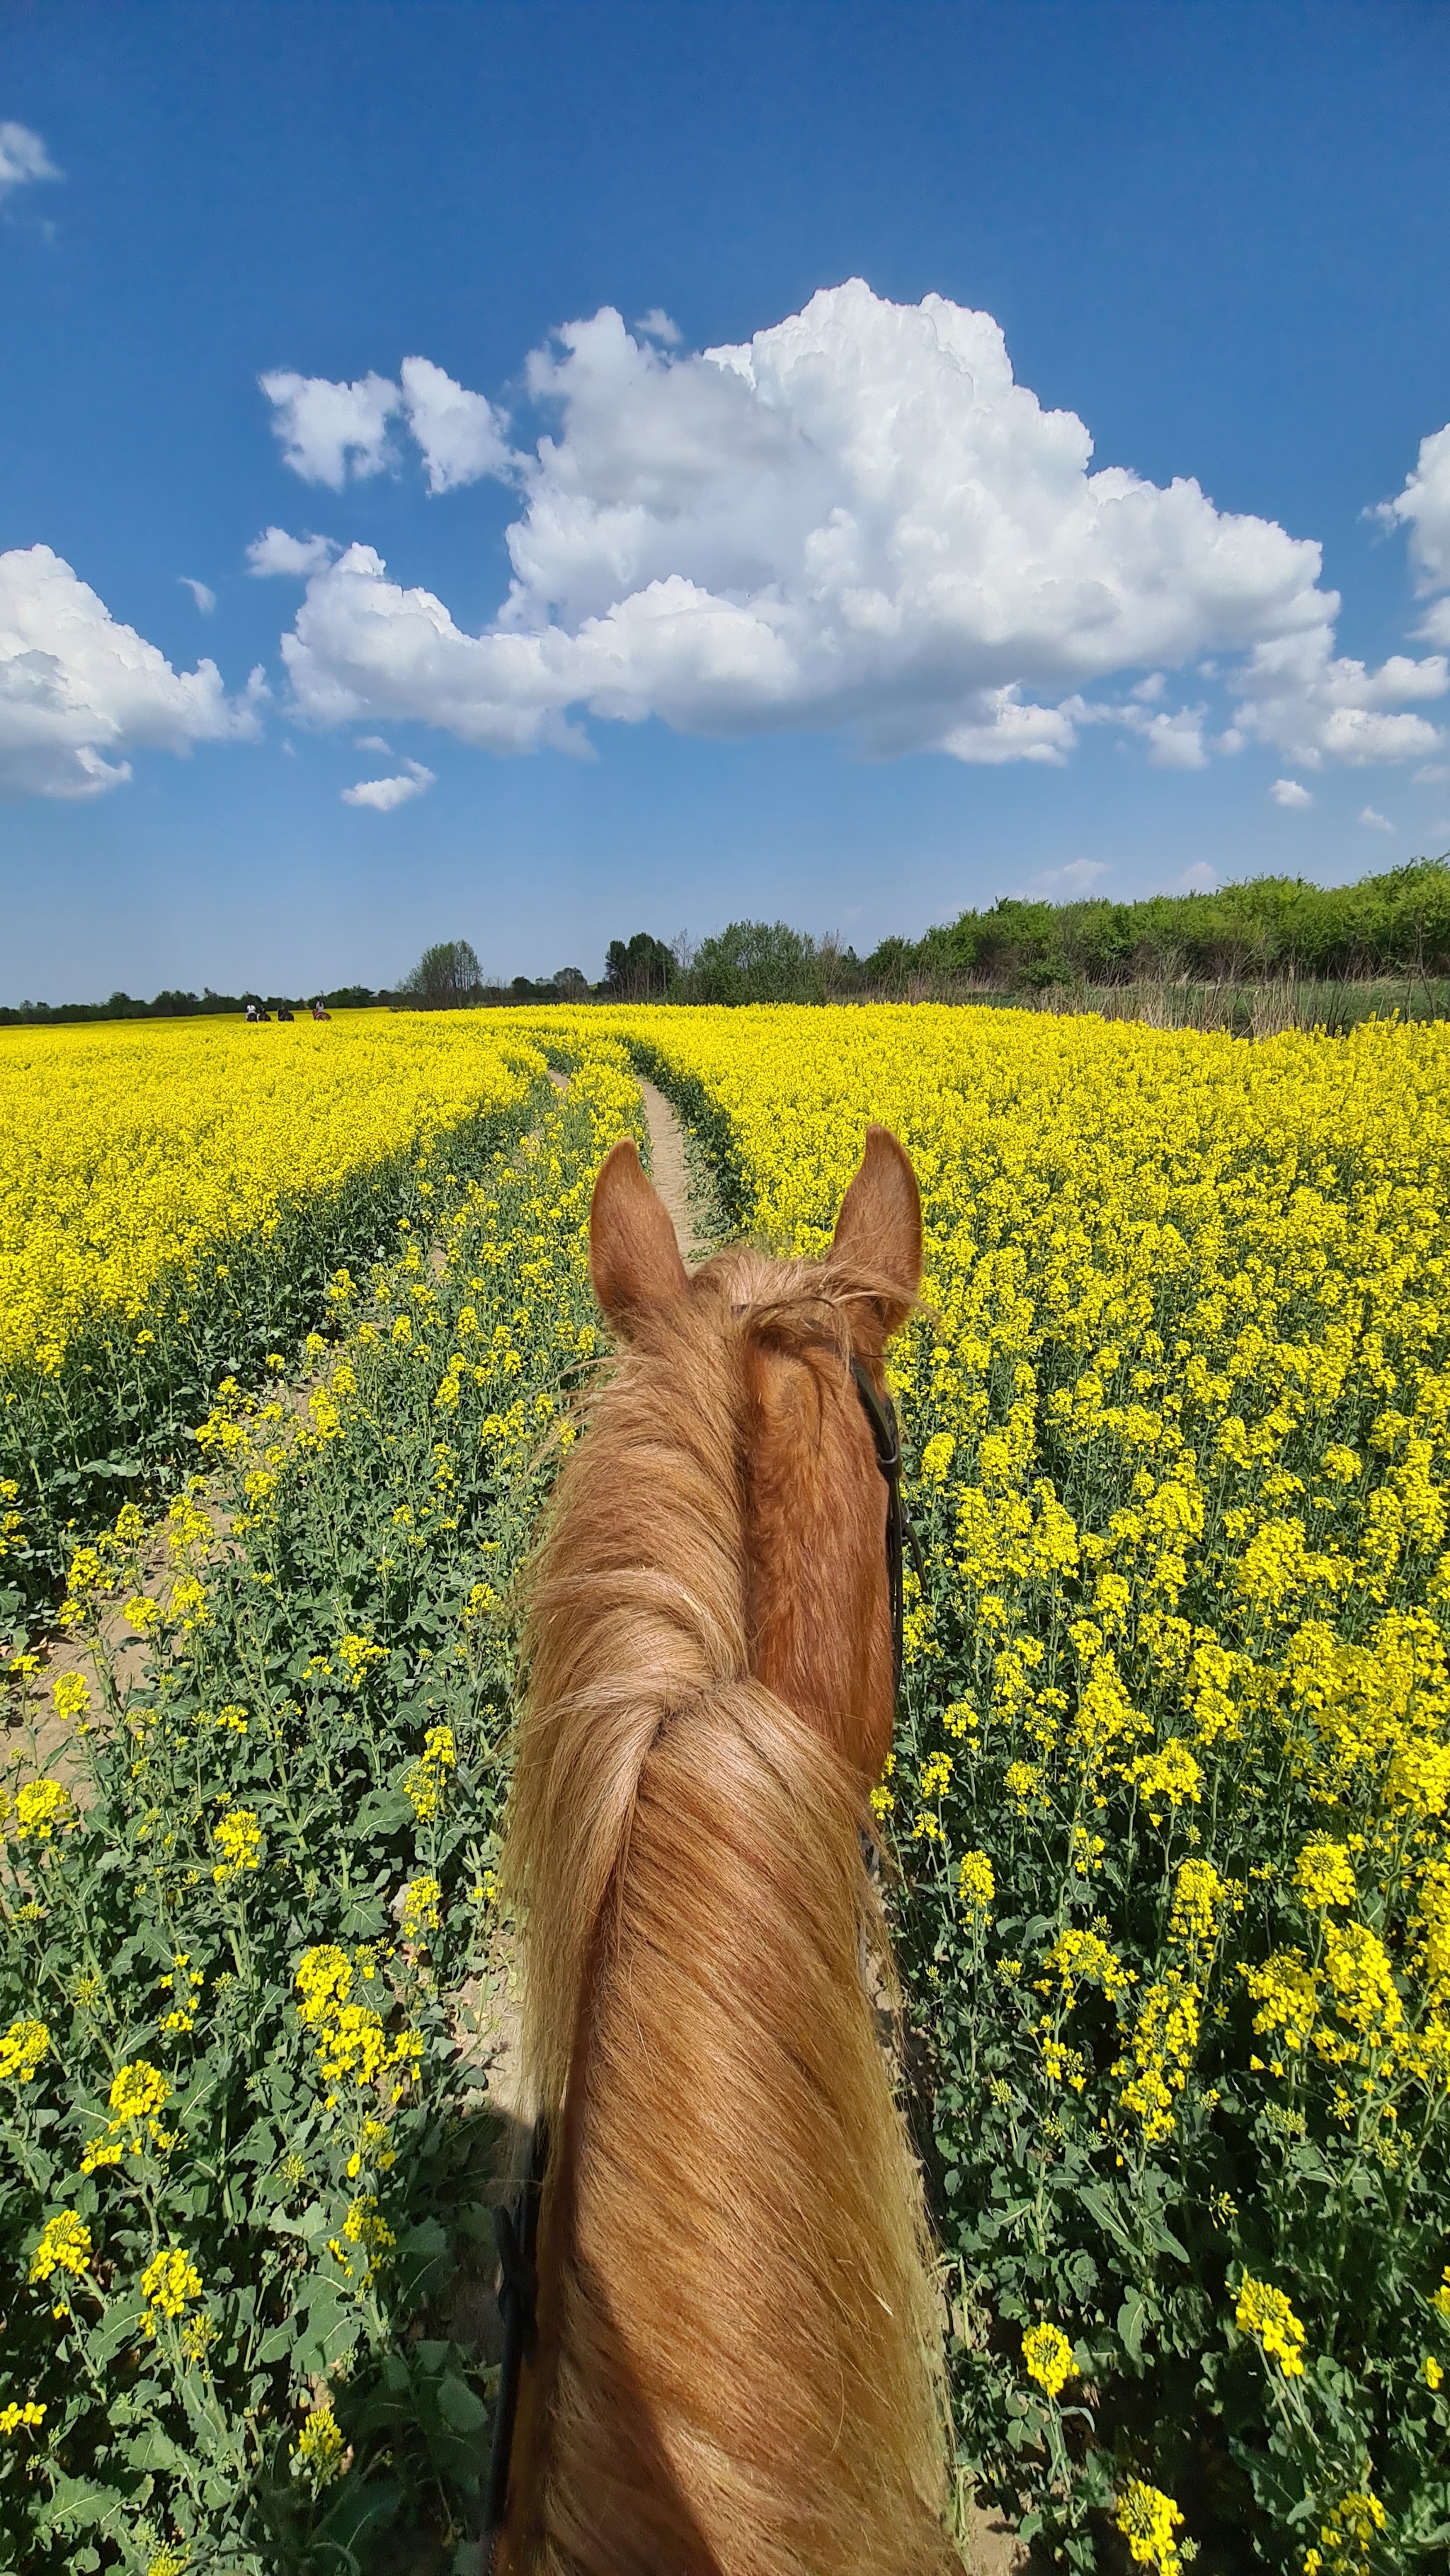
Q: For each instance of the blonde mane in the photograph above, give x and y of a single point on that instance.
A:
(736, 2360)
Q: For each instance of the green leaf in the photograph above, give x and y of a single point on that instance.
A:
(155, 2449)
(1132, 2316)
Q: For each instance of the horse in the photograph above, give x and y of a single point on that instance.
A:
(733, 2366)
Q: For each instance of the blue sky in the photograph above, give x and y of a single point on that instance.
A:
(841, 629)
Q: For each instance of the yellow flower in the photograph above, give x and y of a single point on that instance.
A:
(423, 1783)
(1347, 2538)
(1287, 1995)
(421, 1900)
(1047, 2357)
(70, 1695)
(238, 1837)
(1079, 1958)
(1170, 1777)
(40, 1807)
(1198, 1898)
(324, 1976)
(936, 1457)
(976, 1883)
(319, 2446)
(1149, 2521)
(1324, 1874)
(139, 2092)
(22, 2047)
(1264, 2312)
(15, 2416)
(1431, 2372)
(364, 2229)
(356, 1653)
(352, 2044)
(1161, 2052)
(168, 2283)
(65, 2247)
(1021, 1783)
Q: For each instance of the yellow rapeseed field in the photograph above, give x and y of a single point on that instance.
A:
(129, 1152)
(173, 1197)
(1170, 1793)
(1168, 1817)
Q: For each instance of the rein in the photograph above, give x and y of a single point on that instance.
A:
(517, 2229)
(880, 1412)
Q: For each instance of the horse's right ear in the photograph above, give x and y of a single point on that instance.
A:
(633, 1256)
(879, 1228)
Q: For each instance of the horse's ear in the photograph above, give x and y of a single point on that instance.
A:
(879, 1228)
(633, 1255)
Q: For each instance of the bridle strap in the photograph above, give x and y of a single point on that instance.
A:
(516, 2231)
(880, 1412)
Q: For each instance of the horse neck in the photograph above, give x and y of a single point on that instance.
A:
(733, 2302)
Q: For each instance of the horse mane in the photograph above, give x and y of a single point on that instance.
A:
(737, 2357)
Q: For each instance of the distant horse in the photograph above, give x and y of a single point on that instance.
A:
(734, 2363)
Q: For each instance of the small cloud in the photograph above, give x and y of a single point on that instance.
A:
(374, 742)
(656, 325)
(1149, 691)
(1434, 774)
(1077, 878)
(383, 794)
(332, 431)
(205, 599)
(23, 157)
(1288, 793)
(1373, 821)
(297, 557)
(460, 435)
(1199, 879)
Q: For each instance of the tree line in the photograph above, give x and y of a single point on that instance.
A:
(1267, 927)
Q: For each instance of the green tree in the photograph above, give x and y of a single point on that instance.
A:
(758, 961)
(641, 969)
(447, 977)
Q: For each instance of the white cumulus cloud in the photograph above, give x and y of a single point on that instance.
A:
(205, 599)
(857, 519)
(79, 691)
(275, 552)
(1375, 822)
(383, 794)
(460, 435)
(656, 325)
(328, 430)
(23, 157)
(1288, 793)
(1297, 695)
(1424, 508)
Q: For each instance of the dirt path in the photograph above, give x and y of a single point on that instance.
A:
(671, 1175)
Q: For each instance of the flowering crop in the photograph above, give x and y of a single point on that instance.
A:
(1171, 1789)
(249, 1935)
(1169, 1803)
(172, 1199)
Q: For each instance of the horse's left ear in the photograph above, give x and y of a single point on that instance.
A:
(633, 1255)
(879, 1227)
